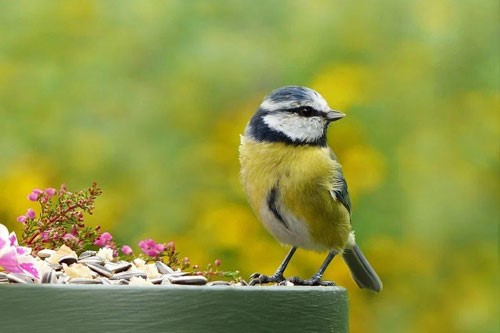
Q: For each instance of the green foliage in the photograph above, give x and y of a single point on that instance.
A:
(149, 99)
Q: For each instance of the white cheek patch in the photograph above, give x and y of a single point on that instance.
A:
(296, 127)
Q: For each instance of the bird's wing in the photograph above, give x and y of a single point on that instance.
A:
(340, 192)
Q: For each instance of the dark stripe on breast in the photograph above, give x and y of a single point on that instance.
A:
(271, 203)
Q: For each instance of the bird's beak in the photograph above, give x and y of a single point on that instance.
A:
(333, 115)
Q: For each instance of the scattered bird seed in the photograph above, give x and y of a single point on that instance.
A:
(89, 268)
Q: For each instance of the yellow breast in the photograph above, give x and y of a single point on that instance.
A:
(304, 177)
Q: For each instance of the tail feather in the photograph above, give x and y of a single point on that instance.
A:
(361, 271)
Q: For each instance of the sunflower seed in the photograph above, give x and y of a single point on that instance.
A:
(128, 275)
(219, 283)
(157, 280)
(68, 260)
(165, 281)
(175, 274)
(163, 269)
(84, 281)
(91, 260)
(87, 254)
(190, 280)
(100, 269)
(49, 277)
(118, 267)
(104, 280)
(19, 278)
(120, 282)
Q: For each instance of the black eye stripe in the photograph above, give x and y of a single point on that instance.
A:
(305, 111)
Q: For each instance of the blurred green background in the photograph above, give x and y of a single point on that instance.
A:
(148, 98)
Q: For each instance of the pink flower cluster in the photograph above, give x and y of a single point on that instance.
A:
(30, 215)
(15, 258)
(103, 240)
(151, 248)
(148, 246)
(37, 194)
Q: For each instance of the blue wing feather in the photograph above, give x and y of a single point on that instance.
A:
(341, 193)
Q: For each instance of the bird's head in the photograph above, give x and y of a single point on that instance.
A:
(292, 114)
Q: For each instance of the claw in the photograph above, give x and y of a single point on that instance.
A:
(257, 278)
(314, 281)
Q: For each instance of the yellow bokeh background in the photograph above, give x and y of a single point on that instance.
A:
(148, 99)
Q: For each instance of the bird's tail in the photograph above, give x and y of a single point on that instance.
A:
(361, 271)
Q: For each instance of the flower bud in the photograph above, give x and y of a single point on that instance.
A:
(21, 219)
(127, 250)
(30, 214)
(50, 192)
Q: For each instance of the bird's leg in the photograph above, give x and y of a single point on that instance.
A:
(315, 280)
(257, 278)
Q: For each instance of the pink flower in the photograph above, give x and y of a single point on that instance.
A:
(45, 235)
(69, 237)
(103, 239)
(21, 219)
(127, 250)
(218, 262)
(30, 214)
(35, 194)
(50, 192)
(151, 248)
(15, 258)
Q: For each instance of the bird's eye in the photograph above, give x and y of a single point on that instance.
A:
(306, 111)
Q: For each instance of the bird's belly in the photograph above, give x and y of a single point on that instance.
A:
(309, 219)
(288, 229)
(290, 193)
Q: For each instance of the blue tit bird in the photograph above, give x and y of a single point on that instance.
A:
(295, 185)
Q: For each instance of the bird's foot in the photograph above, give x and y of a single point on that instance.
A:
(314, 281)
(257, 278)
